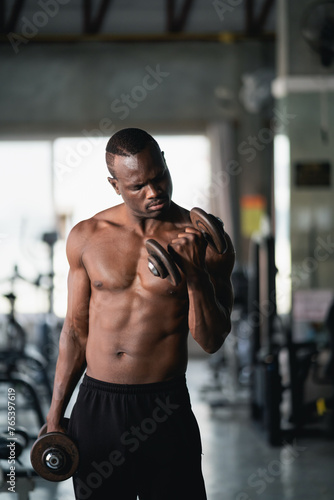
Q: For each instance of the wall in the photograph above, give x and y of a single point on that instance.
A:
(66, 87)
(80, 89)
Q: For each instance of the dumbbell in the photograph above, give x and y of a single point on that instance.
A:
(54, 456)
(161, 263)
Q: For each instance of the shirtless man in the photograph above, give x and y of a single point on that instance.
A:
(132, 420)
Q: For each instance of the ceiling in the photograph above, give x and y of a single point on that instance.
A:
(58, 20)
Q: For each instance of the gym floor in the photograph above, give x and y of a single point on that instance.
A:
(238, 463)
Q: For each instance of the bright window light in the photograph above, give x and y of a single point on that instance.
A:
(35, 201)
(282, 222)
(81, 186)
(26, 212)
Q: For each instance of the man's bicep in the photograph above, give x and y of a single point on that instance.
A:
(78, 289)
(78, 298)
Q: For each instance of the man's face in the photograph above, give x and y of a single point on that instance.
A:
(144, 182)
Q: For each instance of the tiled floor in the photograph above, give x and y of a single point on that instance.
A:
(238, 464)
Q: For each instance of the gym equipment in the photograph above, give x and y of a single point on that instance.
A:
(281, 365)
(49, 329)
(20, 364)
(18, 354)
(24, 483)
(11, 448)
(305, 366)
(23, 382)
(51, 239)
(161, 263)
(266, 387)
(211, 227)
(20, 438)
(54, 456)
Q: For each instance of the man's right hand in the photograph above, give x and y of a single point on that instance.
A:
(55, 427)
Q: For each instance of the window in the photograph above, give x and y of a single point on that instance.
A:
(35, 201)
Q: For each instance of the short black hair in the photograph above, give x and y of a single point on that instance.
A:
(127, 142)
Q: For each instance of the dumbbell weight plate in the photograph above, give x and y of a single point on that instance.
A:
(211, 227)
(43, 430)
(54, 456)
(161, 263)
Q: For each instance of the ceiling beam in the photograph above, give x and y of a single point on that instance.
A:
(2, 17)
(177, 24)
(221, 37)
(87, 12)
(90, 25)
(255, 26)
(10, 26)
(249, 7)
(265, 11)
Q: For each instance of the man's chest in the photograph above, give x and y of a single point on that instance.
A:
(120, 261)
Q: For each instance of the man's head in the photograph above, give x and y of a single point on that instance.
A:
(139, 172)
(127, 142)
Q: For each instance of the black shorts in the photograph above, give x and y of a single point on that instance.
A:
(140, 439)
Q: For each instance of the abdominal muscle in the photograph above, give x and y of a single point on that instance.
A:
(142, 343)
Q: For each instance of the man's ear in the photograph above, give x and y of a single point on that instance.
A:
(114, 183)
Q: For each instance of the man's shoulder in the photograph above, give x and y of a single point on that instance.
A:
(100, 219)
(85, 229)
(82, 230)
(112, 215)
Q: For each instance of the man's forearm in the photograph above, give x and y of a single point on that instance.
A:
(209, 321)
(70, 367)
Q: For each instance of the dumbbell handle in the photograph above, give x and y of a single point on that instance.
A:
(161, 263)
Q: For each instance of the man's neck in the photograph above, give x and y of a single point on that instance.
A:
(147, 225)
